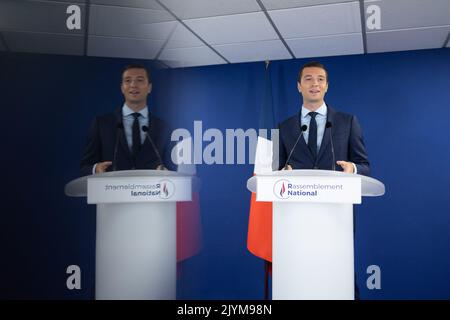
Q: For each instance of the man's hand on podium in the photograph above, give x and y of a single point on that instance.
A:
(346, 166)
(161, 167)
(102, 166)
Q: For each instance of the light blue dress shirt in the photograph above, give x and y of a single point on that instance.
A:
(128, 119)
(321, 120)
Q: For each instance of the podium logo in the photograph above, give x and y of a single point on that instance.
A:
(279, 189)
(167, 189)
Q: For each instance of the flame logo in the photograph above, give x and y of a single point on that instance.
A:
(283, 190)
(166, 188)
(166, 192)
(280, 189)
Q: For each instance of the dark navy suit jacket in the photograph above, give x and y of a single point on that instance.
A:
(101, 143)
(347, 140)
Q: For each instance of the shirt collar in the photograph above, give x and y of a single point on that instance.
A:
(126, 111)
(322, 110)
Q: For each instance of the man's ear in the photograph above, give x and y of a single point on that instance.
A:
(298, 87)
(150, 87)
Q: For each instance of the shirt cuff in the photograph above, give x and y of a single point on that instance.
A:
(93, 168)
(355, 168)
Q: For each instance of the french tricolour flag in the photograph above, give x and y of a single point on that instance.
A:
(259, 239)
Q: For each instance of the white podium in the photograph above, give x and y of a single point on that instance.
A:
(136, 231)
(312, 246)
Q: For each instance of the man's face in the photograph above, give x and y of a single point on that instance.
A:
(313, 85)
(135, 86)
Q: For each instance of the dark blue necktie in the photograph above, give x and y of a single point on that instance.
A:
(312, 137)
(136, 146)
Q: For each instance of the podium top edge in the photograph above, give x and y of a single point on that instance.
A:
(370, 186)
(312, 173)
(77, 187)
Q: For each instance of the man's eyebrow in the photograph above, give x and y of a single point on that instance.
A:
(310, 75)
(137, 77)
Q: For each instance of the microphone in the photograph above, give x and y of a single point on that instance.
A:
(118, 132)
(145, 129)
(302, 129)
(329, 125)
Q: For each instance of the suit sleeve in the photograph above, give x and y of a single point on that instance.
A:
(92, 150)
(357, 149)
(167, 155)
(166, 145)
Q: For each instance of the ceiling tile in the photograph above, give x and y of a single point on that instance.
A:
(407, 39)
(208, 8)
(318, 20)
(402, 14)
(123, 47)
(254, 51)
(70, 1)
(129, 22)
(190, 57)
(182, 38)
(335, 45)
(285, 4)
(31, 16)
(245, 27)
(44, 43)
(147, 4)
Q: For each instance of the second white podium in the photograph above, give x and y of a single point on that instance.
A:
(312, 230)
(136, 231)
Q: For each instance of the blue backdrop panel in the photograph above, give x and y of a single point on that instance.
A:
(401, 99)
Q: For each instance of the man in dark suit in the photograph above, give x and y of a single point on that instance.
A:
(327, 131)
(130, 137)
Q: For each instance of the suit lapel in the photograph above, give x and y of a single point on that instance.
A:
(302, 143)
(122, 139)
(147, 152)
(146, 143)
(326, 133)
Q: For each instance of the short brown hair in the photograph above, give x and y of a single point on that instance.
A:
(137, 66)
(312, 64)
